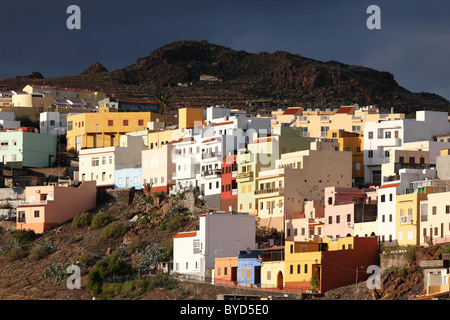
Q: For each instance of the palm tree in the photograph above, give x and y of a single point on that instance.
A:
(162, 98)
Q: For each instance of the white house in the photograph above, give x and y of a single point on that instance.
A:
(387, 193)
(380, 137)
(100, 164)
(219, 235)
(54, 123)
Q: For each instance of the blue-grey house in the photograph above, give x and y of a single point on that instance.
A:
(249, 268)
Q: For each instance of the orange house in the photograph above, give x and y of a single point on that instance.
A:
(48, 206)
(226, 270)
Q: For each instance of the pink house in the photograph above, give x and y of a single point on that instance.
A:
(346, 206)
(48, 206)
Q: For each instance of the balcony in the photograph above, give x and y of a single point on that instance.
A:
(32, 203)
(210, 174)
(269, 192)
(390, 142)
(405, 219)
(244, 176)
(211, 155)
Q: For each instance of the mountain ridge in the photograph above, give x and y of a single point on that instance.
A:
(284, 78)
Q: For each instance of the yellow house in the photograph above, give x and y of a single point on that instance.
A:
(54, 92)
(317, 123)
(329, 263)
(104, 129)
(407, 215)
(272, 274)
(188, 117)
(354, 142)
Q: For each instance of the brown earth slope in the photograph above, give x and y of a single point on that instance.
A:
(283, 78)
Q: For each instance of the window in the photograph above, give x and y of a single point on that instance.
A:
(349, 217)
(390, 197)
(447, 209)
(103, 161)
(196, 246)
(338, 219)
(110, 123)
(401, 159)
(330, 220)
(370, 134)
(36, 213)
(386, 153)
(95, 161)
(370, 154)
(434, 209)
(298, 268)
(383, 198)
(69, 125)
(140, 122)
(387, 134)
(306, 268)
(125, 123)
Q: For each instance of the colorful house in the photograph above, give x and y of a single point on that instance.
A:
(299, 177)
(219, 235)
(104, 129)
(101, 164)
(249, 268)
(126, 178)
(229, 194)
(435, 218)
(328, 264)
(48, 206)
(354, 142)
(347, 207)
(226, 270)
(27, 149)
(408, 217)
(158, 168)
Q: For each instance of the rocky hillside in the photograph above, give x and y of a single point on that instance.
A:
(284, 79)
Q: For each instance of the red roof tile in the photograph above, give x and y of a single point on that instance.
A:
(390, 185)
(345, 110)
(185, 234)
(291, 111)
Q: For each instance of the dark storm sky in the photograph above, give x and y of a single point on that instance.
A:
(413, 42)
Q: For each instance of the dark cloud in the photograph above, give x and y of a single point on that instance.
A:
(413, 43)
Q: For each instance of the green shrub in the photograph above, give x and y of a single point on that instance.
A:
(175, 223)
(101, 219)
(81, 220)
(114, 229)
(127, 287)
(162, 280)
(104, 269)
(86, 259)
(16, 253)
(40, 251)
(404, 271)
(143, 220)
(134, 244)
(24, 236)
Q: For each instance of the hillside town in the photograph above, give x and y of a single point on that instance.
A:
(339, 186)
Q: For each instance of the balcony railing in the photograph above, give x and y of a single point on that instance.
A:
(211, 173)
(243, 175)
(32, 203)
(269, 190)
(210, 155)
(405, 219)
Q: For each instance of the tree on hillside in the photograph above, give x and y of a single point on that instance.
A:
(162, 98)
